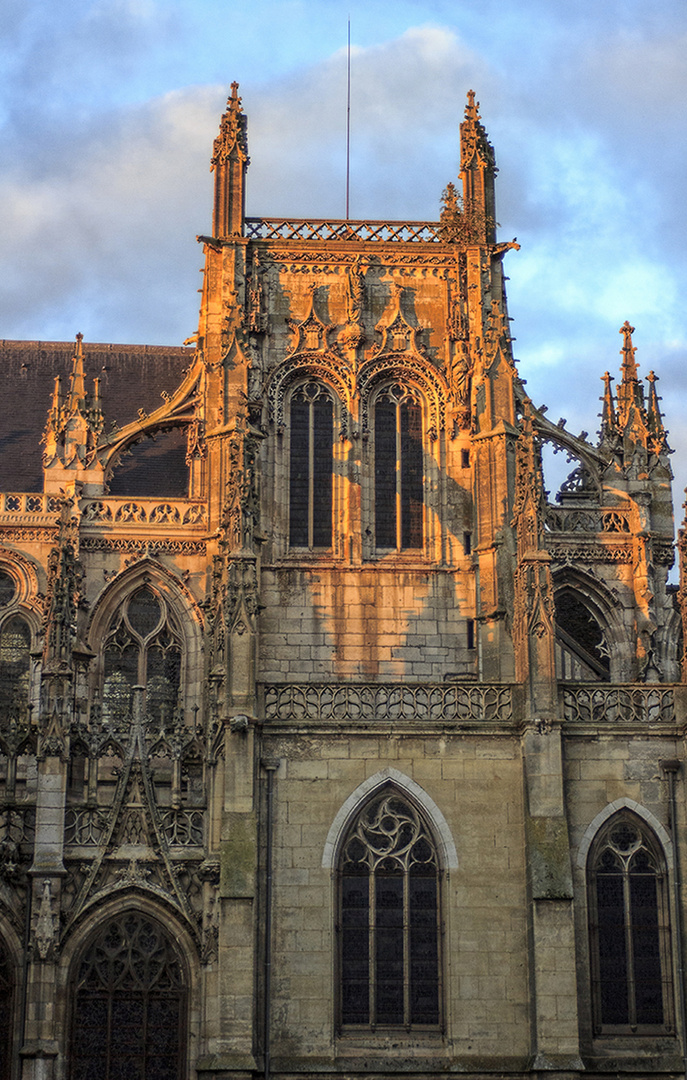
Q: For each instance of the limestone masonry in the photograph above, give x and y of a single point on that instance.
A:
(329, 746)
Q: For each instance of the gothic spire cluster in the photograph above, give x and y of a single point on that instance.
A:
(75, 419)
(630, 419)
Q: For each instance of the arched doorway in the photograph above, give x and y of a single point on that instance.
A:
(130, 1004)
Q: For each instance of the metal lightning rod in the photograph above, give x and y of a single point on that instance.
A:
(348, 120)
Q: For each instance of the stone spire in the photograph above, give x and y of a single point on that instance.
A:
(229, 163)
(477, 172)
(609, 420)
(630, 391)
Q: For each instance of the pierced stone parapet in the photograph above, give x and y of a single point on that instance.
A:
(146, 512)
(426, 232)
(587, 520)
(33, 508)
(618, 704)
(443, 702)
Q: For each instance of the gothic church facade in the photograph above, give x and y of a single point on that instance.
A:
(329, 744)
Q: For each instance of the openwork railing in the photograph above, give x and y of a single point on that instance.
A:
(129, 512)
(427, 232)
(17, 826)
(587, 520)
(87, 826)
(84, 826)
(618, 704)
(388, 701)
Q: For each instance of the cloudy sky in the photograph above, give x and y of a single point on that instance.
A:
(109, 107)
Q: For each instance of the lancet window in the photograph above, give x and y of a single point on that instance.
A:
(130, 999)
(143, 648)
(629, 930)
(311, 466)
(389, 971)
(15, 650)
(398, 470)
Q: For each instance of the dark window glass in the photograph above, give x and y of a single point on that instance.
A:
(7, 588)
(142, 649)
(129, 1005)
(629, 930)
(398, 471)
(6, 1007)
(311, 467)
(388, 933)
(15, 663)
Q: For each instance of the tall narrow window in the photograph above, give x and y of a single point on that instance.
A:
(629, 929)
(388, 918)
(143, 648)
(6, 1017)
(129, 1016)
(15, 646)
(398, 470)
(311, 465)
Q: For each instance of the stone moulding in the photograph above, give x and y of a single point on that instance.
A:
(618, 704)
(388, 701)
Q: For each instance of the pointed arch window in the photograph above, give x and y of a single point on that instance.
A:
(629, 930)
(130, 1003)
(15, 654)
(143, 648)
(582, 653)
(311, 466)
(388, 928)
(398, 470)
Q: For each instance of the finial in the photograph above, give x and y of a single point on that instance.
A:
(472, 107)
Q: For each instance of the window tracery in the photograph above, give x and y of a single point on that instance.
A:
(142, 648)
(583, 653)
(15, 655)
(130, 993)
(398, 469)
(629, 929)
(311, 466)
(388, 918)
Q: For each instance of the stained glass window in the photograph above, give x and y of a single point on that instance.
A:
(630, 936)
(388, 918)
(311, 467)
(129, 1018)
(15, 646)
(398, 470)
(143, 648)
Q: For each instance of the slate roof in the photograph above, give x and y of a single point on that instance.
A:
(132, 377)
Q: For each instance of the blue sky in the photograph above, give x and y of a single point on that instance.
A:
(108, 109)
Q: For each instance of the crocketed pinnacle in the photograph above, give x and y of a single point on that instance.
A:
(232, 132)
(609, 420)
(657, 432)
(630, 391)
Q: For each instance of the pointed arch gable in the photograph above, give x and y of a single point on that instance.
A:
(373, 784)
(615, 807)
(323, 366)
(147, 570)
(409, 370)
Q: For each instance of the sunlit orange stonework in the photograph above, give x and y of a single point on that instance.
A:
(328, 744)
